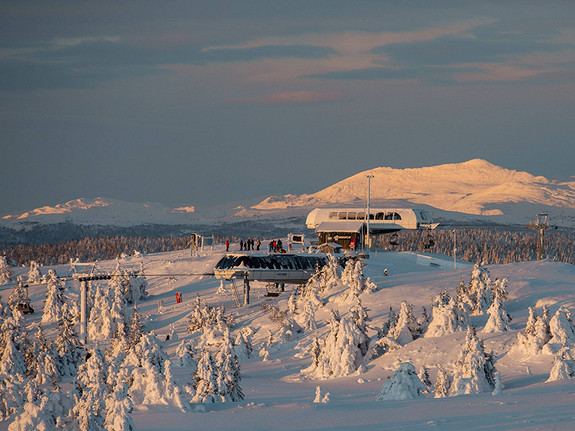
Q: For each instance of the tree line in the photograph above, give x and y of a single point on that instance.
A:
(488, 245)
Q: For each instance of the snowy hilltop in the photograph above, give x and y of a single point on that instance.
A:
(169, 346)
(103, 211)
(475, 187)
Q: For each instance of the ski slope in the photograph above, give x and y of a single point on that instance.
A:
(279, 397)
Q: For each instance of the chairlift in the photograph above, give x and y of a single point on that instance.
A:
(394, 240)
(429, 242)
(25, 307)
(272, 290)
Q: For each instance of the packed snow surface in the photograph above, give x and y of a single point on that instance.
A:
(279, 394)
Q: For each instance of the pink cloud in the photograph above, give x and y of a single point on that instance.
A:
(291, 97)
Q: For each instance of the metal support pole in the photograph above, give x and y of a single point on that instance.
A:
(540, 245)
(83, 294)
(246, 289)
(454, 249)
(368, 215)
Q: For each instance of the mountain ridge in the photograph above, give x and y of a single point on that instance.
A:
(472, 187)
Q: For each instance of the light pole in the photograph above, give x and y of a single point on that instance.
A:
(367, 215)
(454, 249)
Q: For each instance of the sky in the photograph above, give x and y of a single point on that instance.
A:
(209, 102)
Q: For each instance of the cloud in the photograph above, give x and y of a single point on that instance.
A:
(298, 97)
(88, 62)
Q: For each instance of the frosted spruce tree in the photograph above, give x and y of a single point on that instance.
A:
(474, 371)
(34, 274)
(152, 387)
(135, 328)
(205, 380)
(228, 371)
(42, 363)
(90, 393)
(55, 299)
(499, 318)
(185, 354)
(342, 350)
(46, 413)
(481, 289)
(447, 317)
(243, 347)
(536, 335)
(18, 294)
(442, 383)
(13, 381)
(101, 325)
(562, 329)
(404, 385)
(406, 327)
(68, 345)
(5, 272)
(563, 366)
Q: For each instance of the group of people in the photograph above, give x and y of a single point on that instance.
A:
(275, 246)
(247, 245)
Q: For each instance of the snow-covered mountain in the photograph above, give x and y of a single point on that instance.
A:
(466, 191)
(476, 187)
(103, 211)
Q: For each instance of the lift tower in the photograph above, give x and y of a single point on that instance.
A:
(542, 223)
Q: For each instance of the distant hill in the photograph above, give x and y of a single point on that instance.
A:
(102, 211)
(471, 191)
(476, 188)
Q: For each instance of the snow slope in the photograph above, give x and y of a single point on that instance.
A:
(279, 397)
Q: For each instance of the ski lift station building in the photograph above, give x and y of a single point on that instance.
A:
(346, 225)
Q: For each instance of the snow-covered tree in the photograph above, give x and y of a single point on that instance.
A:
(154, 387)
(18, 294)
(35, 274)
(135, 328)
(481, 289)
(442, 383)
(43, 366)
(536, 334)
(55, 299)
(185, 354)
(342, 350)
(562, 328)
(474, 371)
(499, 318)
(424, 377)
(101, 324)
(205, 380)
(46, 413)
(319, 398)
(243, 345)
(203, 316)
(563, 366)
(447, 316)
(5, 272)
(147, 350)
(90, 393)
(307, 317)
(228, 371)
(406, 327)
(404, 385)
(118, 409)
(68, 345)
